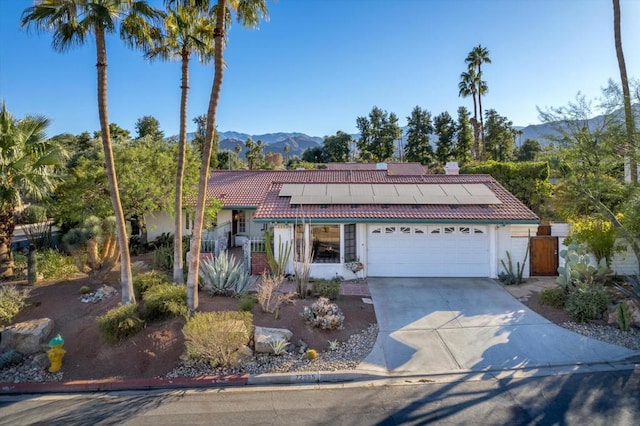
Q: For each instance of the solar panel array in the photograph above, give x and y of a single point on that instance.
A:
(375, 193)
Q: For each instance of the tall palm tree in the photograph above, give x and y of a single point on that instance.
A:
(479, 55)
(187, 30)
(71, 22)
(467, 87)
(629, 118)
(248, 14)
(27, 168)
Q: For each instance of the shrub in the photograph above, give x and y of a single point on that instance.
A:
(553, 296)
(269, 297)
(19, 263)
(323, 314)
(222, 275)
(53, 264)
(9, 358)
(164, 301)
(586, 303)
(217, 337)
(163, 258)
(326, 288)
(119, 323)
(247, 301)
(598, 235)
(144, 281)
(85, 289)
(12, 301)
(34, 214)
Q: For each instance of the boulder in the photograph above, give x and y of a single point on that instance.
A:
(634, 307)
(27, 337)
(264, 336)
(244, 354)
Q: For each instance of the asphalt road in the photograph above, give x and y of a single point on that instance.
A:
(610, 398)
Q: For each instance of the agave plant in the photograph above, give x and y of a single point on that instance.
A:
(279, 346)
(222, 275)
(634, 291)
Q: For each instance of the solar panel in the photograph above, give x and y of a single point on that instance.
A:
(315, 189)
(430, 190)
(361, 189)
(384, 190)
(341, 199)
(289, 189)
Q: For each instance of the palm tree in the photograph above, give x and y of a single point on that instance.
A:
(187, 30)
(629, 118)
(71, 22)
(27, 169)
(479, 55)
(248, 13)
(466, 88)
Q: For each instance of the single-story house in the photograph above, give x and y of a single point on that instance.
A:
(404, 225)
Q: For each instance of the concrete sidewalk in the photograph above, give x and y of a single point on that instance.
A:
(455, 325)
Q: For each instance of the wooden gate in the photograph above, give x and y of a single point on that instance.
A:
(544, 256)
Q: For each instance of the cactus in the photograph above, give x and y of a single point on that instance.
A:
(623, 316)
(9, 358)
(578, 268)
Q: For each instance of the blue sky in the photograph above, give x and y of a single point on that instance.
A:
(318, 64)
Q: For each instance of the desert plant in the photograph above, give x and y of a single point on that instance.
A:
(9, 358)
(34, 214)
(510, 276)
(222, 275)
(279, 346)
(38, 234)
(323, 314)
(269, 298)
(623, 316)
(164, 301)
(633, 289)
(579, 270)
(302, 258)
(217, 337)
(326, 288)
(587, 302)
(119, 323)
(85, 289)
(12, 301)
(94, 246)
(553, 296)
(53, 264)
(163, 258)
(247, 301)
(19, 263)
(145, 280)
(334, 345)
(312, 354)
(278, 266)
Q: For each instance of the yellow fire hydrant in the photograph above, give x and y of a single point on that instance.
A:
(56, 353)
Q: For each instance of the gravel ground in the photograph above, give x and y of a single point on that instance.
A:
(346, 357)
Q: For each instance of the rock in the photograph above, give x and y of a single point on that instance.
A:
(41, 360)
(244, 354)
(102, 293)
(264, 336)
(27, 337)
(634, 307)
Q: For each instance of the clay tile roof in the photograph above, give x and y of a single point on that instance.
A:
(260, 189)
(392, 168)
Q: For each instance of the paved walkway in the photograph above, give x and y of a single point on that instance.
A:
(432, 326)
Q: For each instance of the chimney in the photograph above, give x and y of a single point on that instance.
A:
(452, 168)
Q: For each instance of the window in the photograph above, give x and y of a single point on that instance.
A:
(405, 229)
(242, 222)
(478, 231)
(389, 229)
(418, 230)
(299, 239)
(376, 231)
(435, 230)
(463, 229)
(350, 243)
(325, 243)
(449, 229)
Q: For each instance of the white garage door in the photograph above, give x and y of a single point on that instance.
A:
(427, 251)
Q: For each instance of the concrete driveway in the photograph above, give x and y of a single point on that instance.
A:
(448, 325)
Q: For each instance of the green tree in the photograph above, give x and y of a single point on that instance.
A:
(528, 151)
(464, 137)
(418, 146)
(248, 13)
(28, 162)
(336, 148)
(254, 153)
(378, 133)
(445, 128)
(466, 88)
(500, 138)
(148, 126)
(629, 118)
(71, 22)
(314, 155)
(186, 30)
(228, 160)
(479, 55)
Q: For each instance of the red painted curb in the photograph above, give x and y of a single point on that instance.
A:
(119, 385)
